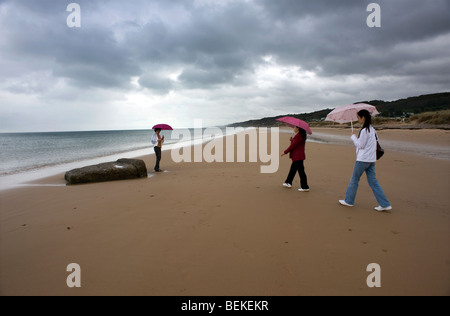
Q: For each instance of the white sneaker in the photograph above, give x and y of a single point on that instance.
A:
(287, 185)
(303, 190)
(382, 209)
(342, 202)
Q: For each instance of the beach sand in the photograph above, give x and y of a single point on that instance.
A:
(225, 229)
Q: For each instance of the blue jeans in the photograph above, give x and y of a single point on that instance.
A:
(158, 157)
(369, 169)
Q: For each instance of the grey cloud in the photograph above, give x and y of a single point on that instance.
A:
(217, 46)
(83, 55)
(338, 40)
(156, 83)
(285, 9)
(204, 78)
(94, 57)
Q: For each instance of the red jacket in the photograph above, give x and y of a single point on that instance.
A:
(297, 148)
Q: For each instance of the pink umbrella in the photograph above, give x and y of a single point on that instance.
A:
(349, 113)
(295, 122)
(163, 127)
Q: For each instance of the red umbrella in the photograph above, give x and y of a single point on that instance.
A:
(295, 122)
(163, 127)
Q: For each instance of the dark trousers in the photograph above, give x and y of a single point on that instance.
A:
(298, 166)
(158, 157)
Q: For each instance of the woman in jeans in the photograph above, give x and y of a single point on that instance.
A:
(158, 141)
(297, 154)
(366, 151)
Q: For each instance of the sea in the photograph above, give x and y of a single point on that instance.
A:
(25, 157)
(29, 156)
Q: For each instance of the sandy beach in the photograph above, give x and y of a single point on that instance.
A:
(225, 229)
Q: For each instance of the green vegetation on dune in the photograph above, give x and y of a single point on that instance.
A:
(431, 109)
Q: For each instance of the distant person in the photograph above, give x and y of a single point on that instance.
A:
(366, 152)
(298, 156)
(158, 141)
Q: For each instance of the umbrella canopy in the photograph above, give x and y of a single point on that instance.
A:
(295, 122)
(348, 113)
(163, 127)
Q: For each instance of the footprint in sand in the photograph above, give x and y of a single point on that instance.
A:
(288, 270)
(19, 229)
(242, 249)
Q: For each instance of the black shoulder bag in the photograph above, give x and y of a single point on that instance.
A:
(380, 151)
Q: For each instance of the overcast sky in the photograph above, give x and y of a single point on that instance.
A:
(133, 64)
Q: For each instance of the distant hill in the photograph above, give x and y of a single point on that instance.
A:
(413, 105)
(400, 108)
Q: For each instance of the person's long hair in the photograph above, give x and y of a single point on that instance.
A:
(367, 122)
(303, 133)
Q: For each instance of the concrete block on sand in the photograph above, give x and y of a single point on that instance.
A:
(122, 169)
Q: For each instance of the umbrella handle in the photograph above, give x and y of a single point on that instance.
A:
(352, 127)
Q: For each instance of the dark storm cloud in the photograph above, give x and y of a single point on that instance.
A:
(157, 84)
(217, 42)
(212, 44)
(334, 35)
(204, 78)
(88, 56)
(161, 46)
(329, 37)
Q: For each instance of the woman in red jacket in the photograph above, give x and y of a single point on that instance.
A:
(297, 154)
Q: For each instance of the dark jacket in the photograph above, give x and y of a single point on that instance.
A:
(297, 149)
